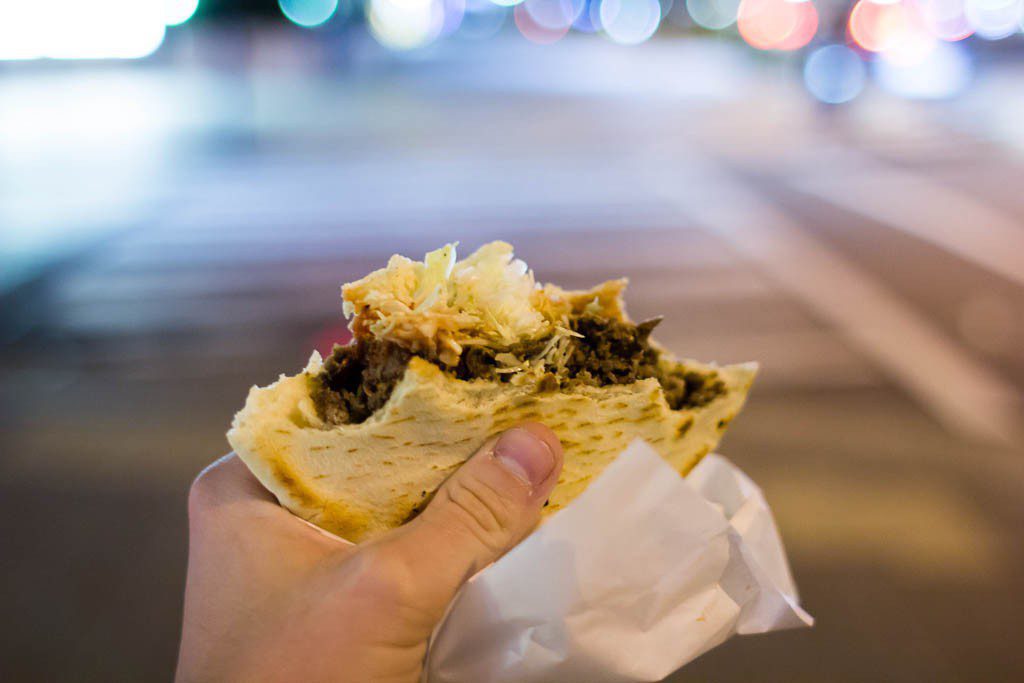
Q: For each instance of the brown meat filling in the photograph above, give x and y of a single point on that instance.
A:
(358, 379)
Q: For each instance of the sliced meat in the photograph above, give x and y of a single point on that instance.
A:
(358, 379)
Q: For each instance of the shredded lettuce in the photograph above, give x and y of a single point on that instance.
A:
(440, 305)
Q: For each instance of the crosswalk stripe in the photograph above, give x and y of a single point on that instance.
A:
(936, 213)
(963, 393)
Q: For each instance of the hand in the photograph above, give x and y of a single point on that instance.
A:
(270, 597)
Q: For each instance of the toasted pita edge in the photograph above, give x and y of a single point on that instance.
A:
(360, 480)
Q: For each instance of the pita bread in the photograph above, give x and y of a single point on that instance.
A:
(360, 480)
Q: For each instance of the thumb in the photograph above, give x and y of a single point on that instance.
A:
(483, 510)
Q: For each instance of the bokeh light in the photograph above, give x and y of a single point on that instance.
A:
(630, 22)
(994, 19)
(946, 19)
(713, 14)
(179, 11)
(554, 15)
(777, 24)
(454, 13)
(72, 29)
(406, 24)
(308, 13)
(806, 28)
(482, 20)
(915, 47)
(589, 20)
(533, 31)
(944, 73)
(882, 27)
(834, 74)
(22, 31)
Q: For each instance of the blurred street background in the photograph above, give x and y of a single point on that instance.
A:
(834, 189)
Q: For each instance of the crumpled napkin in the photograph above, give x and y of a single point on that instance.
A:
(642, 573)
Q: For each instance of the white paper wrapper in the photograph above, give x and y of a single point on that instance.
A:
(638, 576)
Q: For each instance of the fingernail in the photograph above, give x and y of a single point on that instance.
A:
(525, 455)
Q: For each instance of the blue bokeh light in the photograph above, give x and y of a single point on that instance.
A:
(834, 74)
(308, 13)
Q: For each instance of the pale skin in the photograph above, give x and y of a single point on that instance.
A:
(270, 597)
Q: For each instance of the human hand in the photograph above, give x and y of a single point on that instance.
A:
(270, 597)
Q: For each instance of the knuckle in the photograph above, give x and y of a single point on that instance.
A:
(485, 512)
(390, 583)
(200, 495)
(206, 490)
(382, 578)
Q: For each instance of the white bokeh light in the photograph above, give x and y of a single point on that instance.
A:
(945, 72)
(630, 22)
(72, 29)
(713, 14)
(179, 11)
(406, 24)
(946, 19)
(994, 19)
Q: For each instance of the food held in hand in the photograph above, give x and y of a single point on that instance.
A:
(445, 355)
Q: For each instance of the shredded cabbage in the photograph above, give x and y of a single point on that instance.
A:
(440, 305)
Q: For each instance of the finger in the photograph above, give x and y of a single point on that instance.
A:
(491, 503)
(226, 482)
(226, 495)
(240, 536)
(243, 547)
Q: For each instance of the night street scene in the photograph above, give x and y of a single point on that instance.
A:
(830, 188)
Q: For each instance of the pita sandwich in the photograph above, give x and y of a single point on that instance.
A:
(445, 355)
